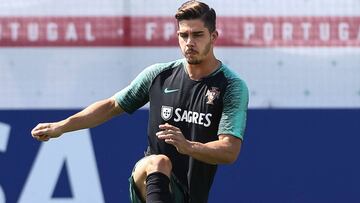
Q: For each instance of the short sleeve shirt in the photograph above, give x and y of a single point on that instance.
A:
(203, 109)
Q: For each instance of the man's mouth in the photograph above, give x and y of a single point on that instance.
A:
(191, 52)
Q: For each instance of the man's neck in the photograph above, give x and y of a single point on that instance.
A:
(199, 71)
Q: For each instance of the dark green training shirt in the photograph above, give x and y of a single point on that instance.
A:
(204, 109)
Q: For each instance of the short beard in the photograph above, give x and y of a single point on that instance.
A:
(199, 61)
(193, 61)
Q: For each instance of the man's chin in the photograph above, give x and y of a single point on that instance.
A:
(193, 61)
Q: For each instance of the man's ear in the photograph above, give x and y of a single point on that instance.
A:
(214, 35)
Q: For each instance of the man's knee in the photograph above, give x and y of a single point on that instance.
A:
(148, 165)
(159, 163)
(153, 163)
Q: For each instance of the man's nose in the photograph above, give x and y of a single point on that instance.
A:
(190, 41)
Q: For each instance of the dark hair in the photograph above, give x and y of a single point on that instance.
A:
(197, 10)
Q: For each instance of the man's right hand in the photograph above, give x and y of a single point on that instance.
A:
(91, 116)
(46, 131)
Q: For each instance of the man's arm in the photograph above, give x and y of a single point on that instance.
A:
(222, 151)
(91, 116)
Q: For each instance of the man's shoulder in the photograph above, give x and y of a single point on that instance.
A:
(231, 76)
(229, 73)
(159, 67)
(151, 72)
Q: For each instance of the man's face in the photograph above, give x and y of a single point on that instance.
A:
(195, 40)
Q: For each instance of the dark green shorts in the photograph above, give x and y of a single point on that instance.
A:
(177, 191)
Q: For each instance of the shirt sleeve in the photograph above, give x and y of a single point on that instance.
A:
(233, 118)
(136, 94)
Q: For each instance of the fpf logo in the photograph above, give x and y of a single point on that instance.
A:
(212, 94)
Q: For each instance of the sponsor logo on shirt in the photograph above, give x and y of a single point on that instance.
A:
(186, 116)
(167, 91)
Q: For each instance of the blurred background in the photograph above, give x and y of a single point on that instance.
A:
(300, 60)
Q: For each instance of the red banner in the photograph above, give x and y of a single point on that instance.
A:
(161, 31)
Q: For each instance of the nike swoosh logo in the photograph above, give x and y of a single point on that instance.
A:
(166, 90)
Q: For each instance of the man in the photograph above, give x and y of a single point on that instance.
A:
(196, 118)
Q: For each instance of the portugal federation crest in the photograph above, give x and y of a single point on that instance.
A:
(212, 94)
(166, 112)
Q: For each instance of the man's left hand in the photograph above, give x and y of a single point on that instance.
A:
(173, 135)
